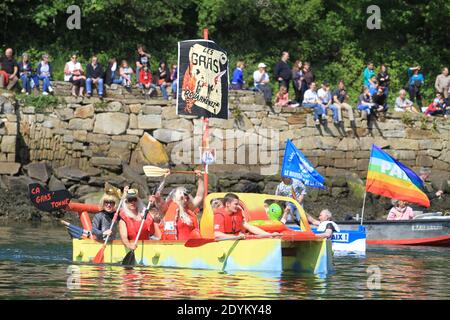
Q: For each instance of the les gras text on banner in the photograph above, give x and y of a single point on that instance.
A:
(296, 166)
(202, 80)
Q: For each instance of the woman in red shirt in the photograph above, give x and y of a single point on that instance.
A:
(131, 215)
(146, 80)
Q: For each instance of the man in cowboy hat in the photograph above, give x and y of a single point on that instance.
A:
(101, 224)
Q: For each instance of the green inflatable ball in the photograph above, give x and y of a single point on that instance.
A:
(275, 212)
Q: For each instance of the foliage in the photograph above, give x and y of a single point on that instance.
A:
(40, 102)
(331, 34)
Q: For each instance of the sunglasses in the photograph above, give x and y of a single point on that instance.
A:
(111, 203)
(131, 199)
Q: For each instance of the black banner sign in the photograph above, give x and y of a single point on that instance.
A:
(46, 200)
(202, 79)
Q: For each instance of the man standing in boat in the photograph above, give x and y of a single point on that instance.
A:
(325, 225)
(229, 220)
(286, 188)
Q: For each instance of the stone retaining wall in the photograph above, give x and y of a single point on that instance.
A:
(113, 138)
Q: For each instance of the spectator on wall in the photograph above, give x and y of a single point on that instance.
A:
(403, 104)
(146, 81)
(74, 73)
(415, 83)
(261, 82)
(112, 74)
(163, 78)
(126, 73)
(142, 57)
(25, 72)
(237, 81)
(94, 74)
(44, 73)
(368, 73)
(10, 68)
(282, 71)
(311, 100)
(297, 80)
(442, 83)
(383, 79)
(438, 106)
(365, 102)
(325, 98)
(340, 102)
(174, 79)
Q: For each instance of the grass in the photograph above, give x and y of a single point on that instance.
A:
(40, 102)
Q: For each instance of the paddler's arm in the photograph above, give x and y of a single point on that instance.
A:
(325, 234)
(124, 235)
(221, 235)
(157, 233)
(254, 229)
(313, 221)
(197, 201)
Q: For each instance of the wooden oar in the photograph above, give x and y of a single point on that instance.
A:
(152, 171)
(130, 258)
(99, 257)
(193, 243)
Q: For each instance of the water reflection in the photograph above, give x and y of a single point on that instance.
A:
(35, 263)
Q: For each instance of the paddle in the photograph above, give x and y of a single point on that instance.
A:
(130, 258)
(75, 231)
(99, 257)
(152, 171)
(193, 243)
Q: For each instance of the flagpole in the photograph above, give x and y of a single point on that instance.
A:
(363, 207)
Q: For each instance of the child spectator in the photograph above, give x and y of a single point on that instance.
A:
(25, 70)
(373, 85)
(282, 97)
(438, 106)
(402, 104)
(237, 82)
(163, 78)
(73, 72)
(44, 73)
(174, 79)
(126, 73)
(415, 82)
(146, 80)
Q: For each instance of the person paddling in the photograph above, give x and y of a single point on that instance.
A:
(101, 224)
(229, 220)
(131, 217)
(325, 225)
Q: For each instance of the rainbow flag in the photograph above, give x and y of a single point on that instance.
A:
(388, 177)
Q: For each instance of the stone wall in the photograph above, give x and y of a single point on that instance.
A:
(86, 141)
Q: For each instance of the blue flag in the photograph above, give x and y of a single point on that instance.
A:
(296, 166)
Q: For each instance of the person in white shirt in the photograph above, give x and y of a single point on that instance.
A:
(261, 82)
(73, 73)
(311, 100)
(324, 95)
(403, 104)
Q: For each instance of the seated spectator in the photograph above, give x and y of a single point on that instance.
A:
(44, 73)
(146, 81)
(373, 85)
(73, 72)
(340, 98)
(400, 211)
(126, 73)
(415, 83)
(383, 79)
(365, 102)
(311, 100)
(174, 79)
(282, 97)
(380, 101)
(163, 78)
(324, 95)
(142, 57)
(94, 73)
(438, 106)
(25, 72)
(442, 83)
(237, 81)
(325, 225)
(261, 82)
(403, 104)
(10, 68)
(112, 75)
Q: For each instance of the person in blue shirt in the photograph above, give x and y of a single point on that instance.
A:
(368, 73)
(237, 82)
(415, 82)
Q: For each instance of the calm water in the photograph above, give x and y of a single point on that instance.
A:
(35, 263)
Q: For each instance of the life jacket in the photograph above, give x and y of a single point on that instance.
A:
(173, 228)
(148, 229)
(232, 223)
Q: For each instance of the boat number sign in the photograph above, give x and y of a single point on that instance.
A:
(339, 237)
(418, 227)
(46, 200)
